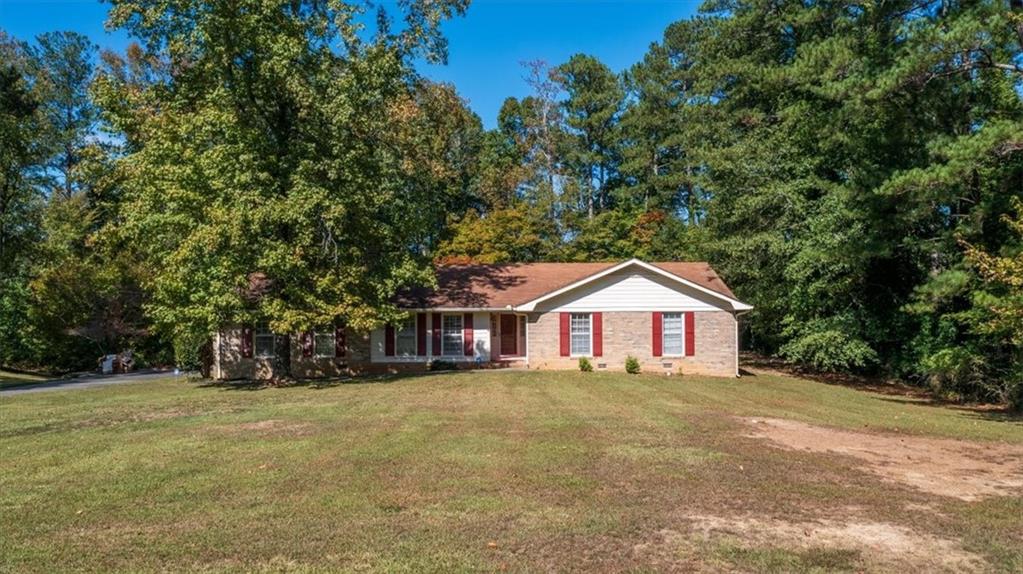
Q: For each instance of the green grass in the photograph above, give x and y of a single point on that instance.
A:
(9, 379)
(782, 560)
(451, 472)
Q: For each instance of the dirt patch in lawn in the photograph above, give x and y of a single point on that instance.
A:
(268, 427)
(961, 469)
(876, 542)
(144, 417)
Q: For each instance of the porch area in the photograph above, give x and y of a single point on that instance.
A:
(508, 340)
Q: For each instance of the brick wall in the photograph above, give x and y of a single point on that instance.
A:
(228, 358)
(314, 367)
(227, 349)
(628, 333)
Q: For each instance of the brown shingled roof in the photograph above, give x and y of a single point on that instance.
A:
(501, 285)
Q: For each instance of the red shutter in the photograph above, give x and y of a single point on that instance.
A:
(247, 343)
(389, 341)
(690, 334)
(340, 340)
(658, 339)
(565, 349)
(598, 334)
(307, 344)
(421, 334)
(436, 335)
(467, 334)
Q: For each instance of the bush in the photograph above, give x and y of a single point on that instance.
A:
(631, 365)
(187, 350)
(826, 347)
(442, 365)
(585, 365)
(968, 374)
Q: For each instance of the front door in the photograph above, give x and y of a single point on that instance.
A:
(509, 336)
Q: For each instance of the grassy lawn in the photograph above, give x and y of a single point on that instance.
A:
(485, 471)
(9, 379)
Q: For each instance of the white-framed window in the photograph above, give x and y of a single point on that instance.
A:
(451, 336)
(581, 335)
(264, 340)
(672, 334)
(324, 344)
(405, 338)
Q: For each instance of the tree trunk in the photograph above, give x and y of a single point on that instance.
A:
(282, 358)
(655, 172)
(690, 196)
(206, 359)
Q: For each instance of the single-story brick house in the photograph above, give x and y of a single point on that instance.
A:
(676, 317)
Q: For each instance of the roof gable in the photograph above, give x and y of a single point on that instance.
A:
(695, 283)
(630, 289)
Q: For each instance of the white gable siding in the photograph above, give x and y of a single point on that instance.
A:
(633, 290)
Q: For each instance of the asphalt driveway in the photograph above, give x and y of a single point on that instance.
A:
(89, 381)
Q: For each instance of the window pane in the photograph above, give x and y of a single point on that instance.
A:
(264, 341)
(580, 344)
(580, 337)
(451, 341)
(406, 338)
(323, 345)
(672, 331)
(264, 345)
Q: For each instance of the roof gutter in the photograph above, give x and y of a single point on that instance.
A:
(457, 309)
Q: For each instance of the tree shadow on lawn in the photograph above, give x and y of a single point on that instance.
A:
(893, 391)
(772, 365)
(994, 413)
(376, 379)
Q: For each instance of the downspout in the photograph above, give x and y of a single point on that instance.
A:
(736, 315)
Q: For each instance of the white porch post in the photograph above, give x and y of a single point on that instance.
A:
(527, 340)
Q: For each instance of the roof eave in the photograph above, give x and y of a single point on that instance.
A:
(457, 309)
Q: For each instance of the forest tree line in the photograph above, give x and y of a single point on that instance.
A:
(854, 170)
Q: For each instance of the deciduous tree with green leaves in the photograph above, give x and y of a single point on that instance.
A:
(280, 173)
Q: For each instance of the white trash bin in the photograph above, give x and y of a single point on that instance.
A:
(107, 364)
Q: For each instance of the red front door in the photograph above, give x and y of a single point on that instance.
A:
(509, 336)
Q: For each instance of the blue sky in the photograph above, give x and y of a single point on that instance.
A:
(486, 46)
